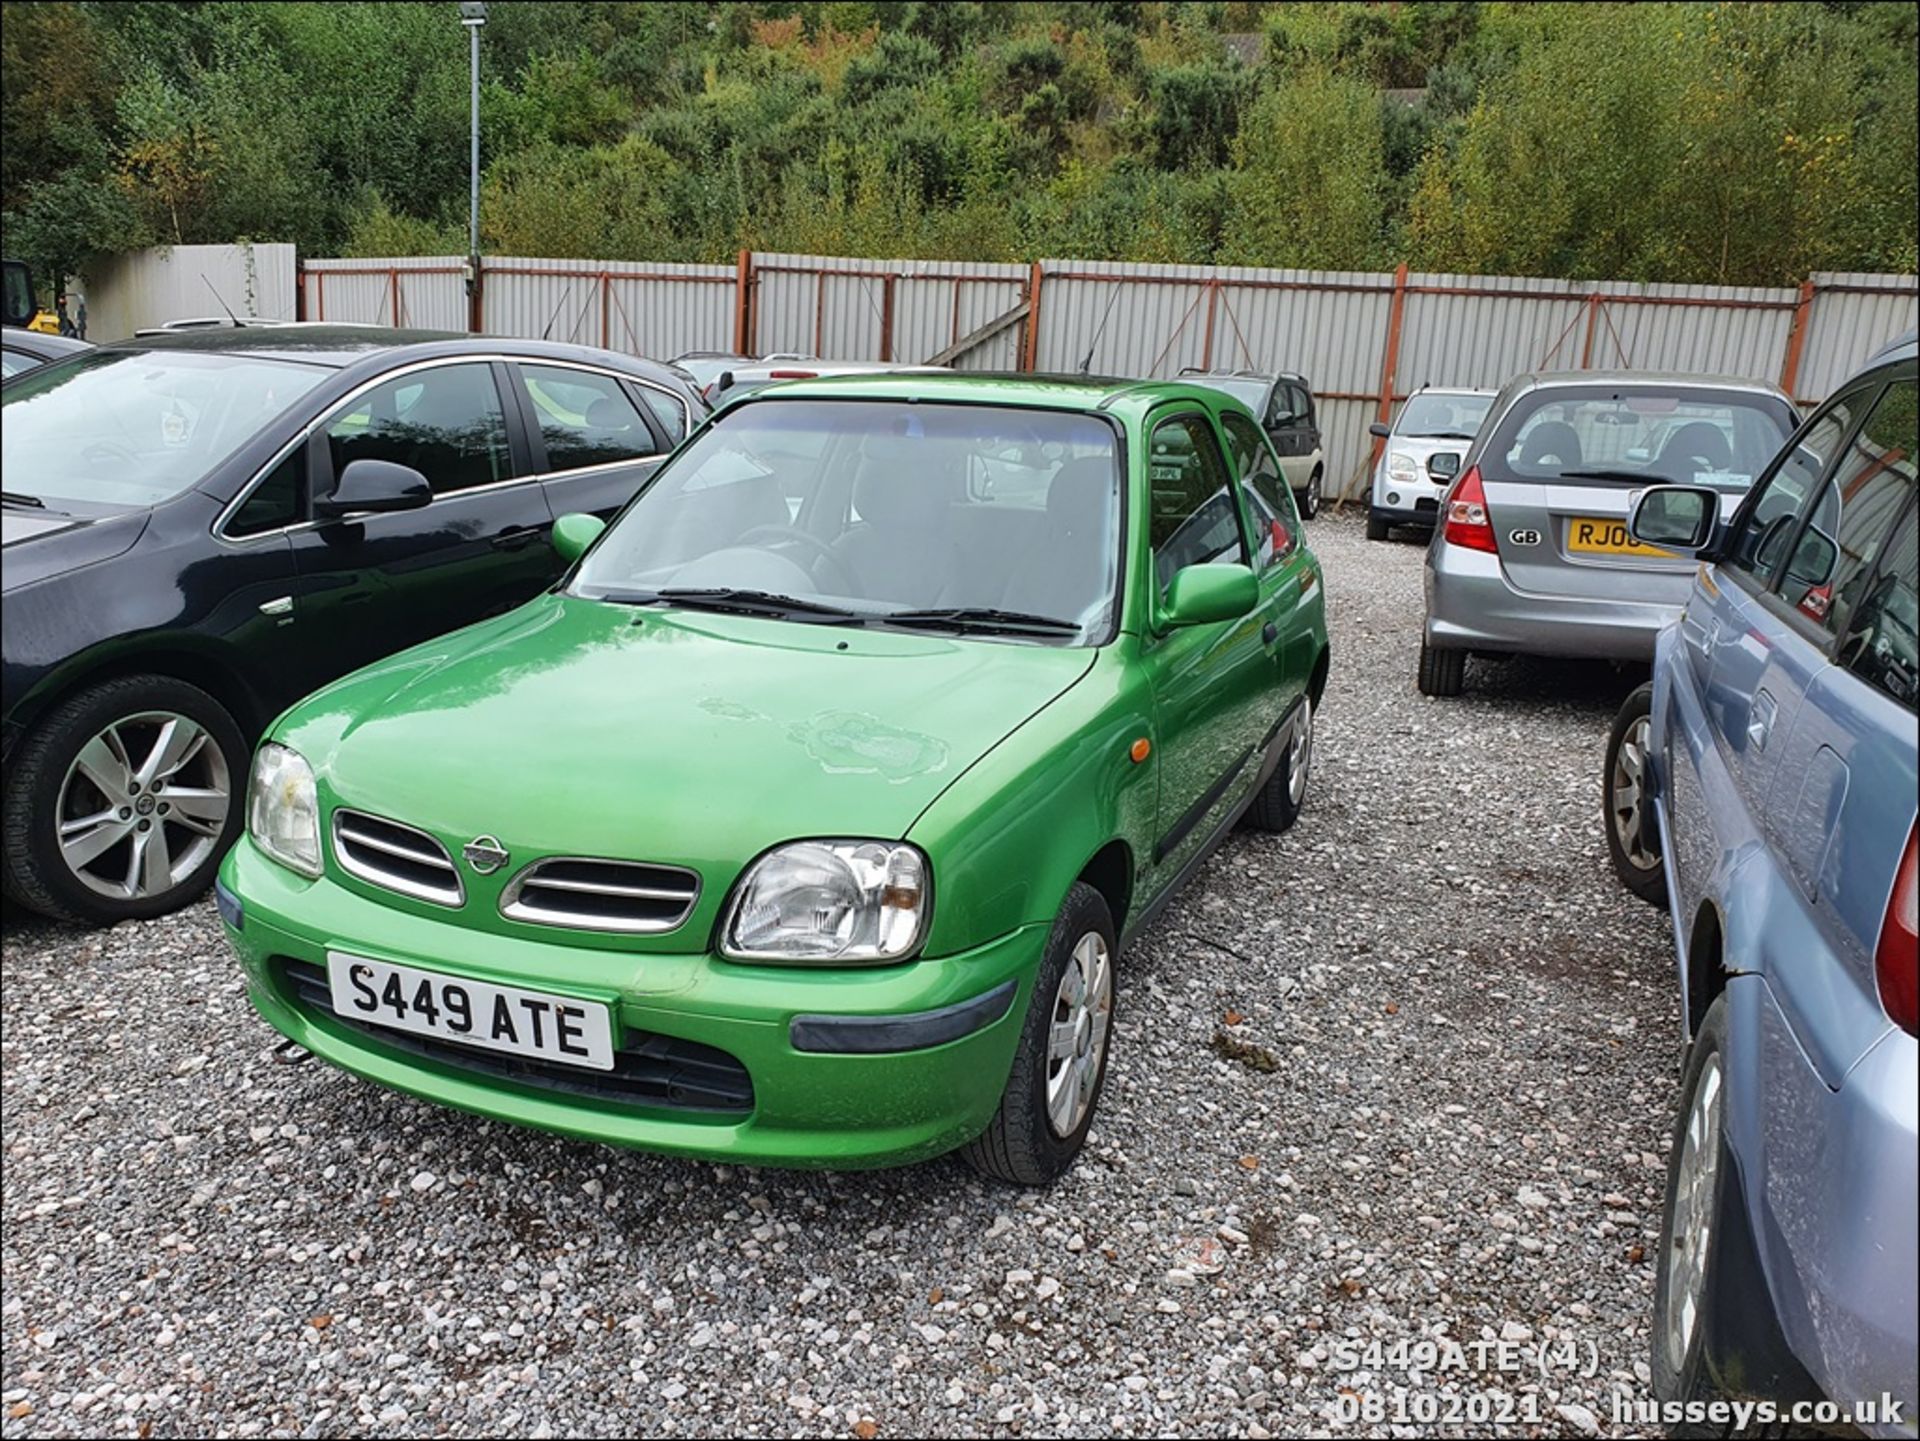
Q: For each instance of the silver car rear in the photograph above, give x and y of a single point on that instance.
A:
(1531, 554)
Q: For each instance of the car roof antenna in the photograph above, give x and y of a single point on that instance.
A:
(556, 311)
(1086, 366)
(223, 304)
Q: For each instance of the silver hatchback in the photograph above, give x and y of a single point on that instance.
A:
(1531, 554)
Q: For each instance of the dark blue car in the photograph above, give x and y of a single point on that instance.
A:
(1763, 787)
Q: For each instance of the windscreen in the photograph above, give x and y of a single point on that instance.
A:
(133, 428)
(1639, 435)
(882, 507)
(1443, 417)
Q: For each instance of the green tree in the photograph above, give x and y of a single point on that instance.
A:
(1309, 183)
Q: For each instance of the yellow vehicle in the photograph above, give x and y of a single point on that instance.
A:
(45, 321)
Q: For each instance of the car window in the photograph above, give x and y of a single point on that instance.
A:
(1882, 644)
(585, 418)
(669, 410)
(1443, 417)
(1760, 533)
(278, 500)
(1638, 433)
(12, 362)
(445, 422)
(1192, 517)
(1269, 500)
(884, 506)
(1858, 507)
(1302, 403)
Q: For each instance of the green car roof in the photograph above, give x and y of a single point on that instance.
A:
(1054, 392)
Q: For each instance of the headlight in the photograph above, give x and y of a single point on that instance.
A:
(1402, 467)
(830, 902)
(283, 812)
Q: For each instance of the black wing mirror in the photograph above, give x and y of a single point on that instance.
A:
(374, 487)
(1379, 430)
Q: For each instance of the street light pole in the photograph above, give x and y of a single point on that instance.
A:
(473, 14)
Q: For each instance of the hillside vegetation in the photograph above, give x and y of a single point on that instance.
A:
(1744, 144)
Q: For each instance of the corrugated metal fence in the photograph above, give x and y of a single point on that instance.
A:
(1364, 339)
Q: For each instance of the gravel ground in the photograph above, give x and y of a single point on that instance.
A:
(1408, 1068)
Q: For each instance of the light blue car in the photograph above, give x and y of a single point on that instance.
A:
(1763, 787)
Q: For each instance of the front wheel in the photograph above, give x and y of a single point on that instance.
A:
(1048, 1105)
(1278, 804)
(1633, 843)
(1309, 499)
(122, 800)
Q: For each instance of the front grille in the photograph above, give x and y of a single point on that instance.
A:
(648, 1070)
(630, 896)
(400, 858)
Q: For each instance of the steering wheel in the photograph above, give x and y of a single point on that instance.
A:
(820, 549)
(108, 451)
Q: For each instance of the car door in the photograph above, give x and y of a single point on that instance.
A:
(1288, 578)
(373, 584)
(1751, 654)
(595, 436)
(1210, 682)
(1841, 799)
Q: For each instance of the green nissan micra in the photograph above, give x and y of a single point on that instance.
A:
(805, 820)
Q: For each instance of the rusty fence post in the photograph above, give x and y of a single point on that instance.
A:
(1797, 341)
(1593, 315)
(886, 316)
(1032, 356)
(1390, 363)
(476, 307)
(742, 288)
(1206, 341)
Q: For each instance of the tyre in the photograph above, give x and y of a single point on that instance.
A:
(1442, 672)
(1690, 1228)
(1309, 499)
(1633, 840)
(122, 800)
(1377, 528)
(1061, 1064)
(1278, 805)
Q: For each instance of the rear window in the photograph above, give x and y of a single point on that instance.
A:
(1638, 435)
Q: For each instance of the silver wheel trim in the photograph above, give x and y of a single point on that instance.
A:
(1313, 495)
(1626, 793)
(1300, 752)
(1690, 1241)
(142, 806)
(1077, 1032)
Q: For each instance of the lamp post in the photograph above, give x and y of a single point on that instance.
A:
(473, 14)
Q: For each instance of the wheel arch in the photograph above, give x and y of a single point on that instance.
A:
(201, 666)
(1706, 975)
(1110, 872)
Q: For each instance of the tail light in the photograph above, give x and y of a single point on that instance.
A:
(1468, 524)
(1896, 960)
(1281, 538)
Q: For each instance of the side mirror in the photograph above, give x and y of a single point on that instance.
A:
(373, 487)
(1379, 430)
(1203, 594)
(1675, 517)
(1814, 559)
(574, 532)
(1443, 465)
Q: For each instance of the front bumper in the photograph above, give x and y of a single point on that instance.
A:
(1471, 605)
(822, 1094)
(1412, 502)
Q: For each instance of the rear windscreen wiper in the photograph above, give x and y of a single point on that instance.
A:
(733, 599)
(1629, 477)
(982, 618)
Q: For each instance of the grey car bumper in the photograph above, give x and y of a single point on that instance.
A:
(1471, 605)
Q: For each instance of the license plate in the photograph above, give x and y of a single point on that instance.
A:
(472, 1013)
(1608, 537)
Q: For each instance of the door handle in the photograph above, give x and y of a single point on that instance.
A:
(1269, 633)
(280, 608)
(1760, 720)
(518, 538)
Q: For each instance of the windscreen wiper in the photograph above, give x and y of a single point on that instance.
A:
(14, 497)
(736, 601)
(1446, 435)
(1631, 477)
(982, 618)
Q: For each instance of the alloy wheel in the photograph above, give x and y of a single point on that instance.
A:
(1628, 791)
(1300, 753)
(143, 805)
(1077, 1037)
(1690, 1241)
